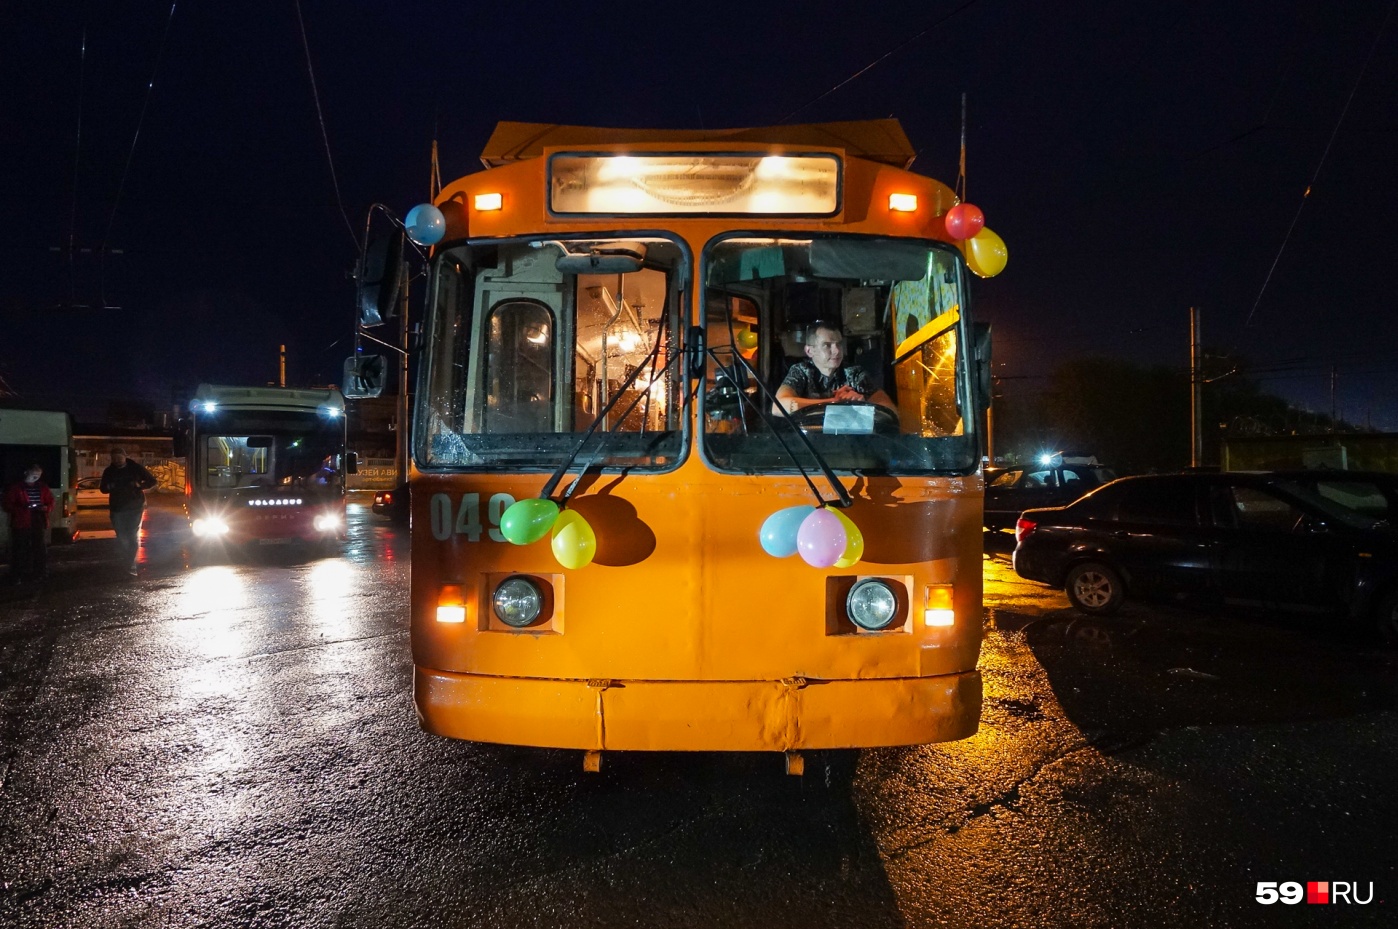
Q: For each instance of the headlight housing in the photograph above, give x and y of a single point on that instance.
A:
(871, 604)
(518, 601)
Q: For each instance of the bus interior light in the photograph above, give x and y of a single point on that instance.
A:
(902, 203)
(486, 203)
(451, 606)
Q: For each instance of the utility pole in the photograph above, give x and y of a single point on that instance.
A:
(1196, 391)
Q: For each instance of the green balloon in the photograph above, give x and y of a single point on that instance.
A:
(526, 521)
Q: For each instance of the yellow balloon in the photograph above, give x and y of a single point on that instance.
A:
(986, 253)
(854, 541)
(747, 339)
(574, 542)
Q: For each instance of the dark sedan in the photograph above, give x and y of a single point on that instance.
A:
(1055, 482)
(1235, 539)
(393, 504)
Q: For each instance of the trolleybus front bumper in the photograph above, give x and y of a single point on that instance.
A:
(782, 715)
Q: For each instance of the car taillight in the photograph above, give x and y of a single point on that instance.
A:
(1024, 528)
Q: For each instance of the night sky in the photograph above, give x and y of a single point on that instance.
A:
(1137, 159)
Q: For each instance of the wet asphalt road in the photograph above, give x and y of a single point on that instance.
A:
(233, 744)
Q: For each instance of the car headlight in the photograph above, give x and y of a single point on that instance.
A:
(209, 527)
(871, 604)
(517, 601)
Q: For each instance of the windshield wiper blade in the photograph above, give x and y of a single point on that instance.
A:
(842, 494)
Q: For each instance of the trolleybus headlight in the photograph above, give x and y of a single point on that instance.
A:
(517, 601)
(871, 604)
(209, 527)
(326, 522)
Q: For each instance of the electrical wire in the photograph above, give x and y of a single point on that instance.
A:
(324, 135)
(130, 155)
(888, 54)
(1378, 36)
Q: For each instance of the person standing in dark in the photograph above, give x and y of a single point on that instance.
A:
(29, 502)
(125, 483)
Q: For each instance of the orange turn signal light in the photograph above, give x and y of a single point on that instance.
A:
(902, 203)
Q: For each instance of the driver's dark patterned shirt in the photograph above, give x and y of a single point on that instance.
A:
(805, 378)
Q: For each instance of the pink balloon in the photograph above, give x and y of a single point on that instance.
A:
(821, 539)
(964, 220)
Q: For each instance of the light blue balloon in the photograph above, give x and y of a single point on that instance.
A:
(778, 533)
(426, 225)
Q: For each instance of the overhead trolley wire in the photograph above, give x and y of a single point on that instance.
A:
(1378, 36)
(888, 54)
(324, 135)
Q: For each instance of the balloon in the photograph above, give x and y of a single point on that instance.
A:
(778, 533)
(854, 542)
(821, 539)
(747, 339)
(986, 254)
(528, 521)
(574, 542)
(964, 220)
(425, 224)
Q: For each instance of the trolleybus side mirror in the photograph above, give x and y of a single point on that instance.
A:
(377, 279)
(365, 376)
(180, 440)
(351, 462)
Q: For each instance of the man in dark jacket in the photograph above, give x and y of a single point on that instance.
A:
(125, 483)
(29, 502)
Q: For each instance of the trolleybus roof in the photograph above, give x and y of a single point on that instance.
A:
(881, 140)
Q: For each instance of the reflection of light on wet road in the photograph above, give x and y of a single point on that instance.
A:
(330, 584)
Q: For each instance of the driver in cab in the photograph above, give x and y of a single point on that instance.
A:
(824, 378)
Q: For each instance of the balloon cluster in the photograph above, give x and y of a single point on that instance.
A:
(986, 254)
(824, 537)
(527, 521)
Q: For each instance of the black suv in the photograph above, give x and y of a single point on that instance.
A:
(1056, 480)
(1231, 538)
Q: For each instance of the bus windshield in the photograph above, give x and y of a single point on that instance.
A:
(268, 448)
(873, 327)
(531, 341)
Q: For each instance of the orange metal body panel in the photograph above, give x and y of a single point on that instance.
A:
(683, 634)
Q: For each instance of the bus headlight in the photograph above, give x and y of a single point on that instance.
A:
(209, 527)
(871, 604)
(517, 601)
(326, 522)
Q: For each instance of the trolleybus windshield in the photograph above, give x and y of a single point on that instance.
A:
(895, 306)
(530, 342)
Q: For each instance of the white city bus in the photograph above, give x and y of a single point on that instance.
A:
(265, 464)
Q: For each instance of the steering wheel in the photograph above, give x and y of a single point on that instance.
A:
(812, 418)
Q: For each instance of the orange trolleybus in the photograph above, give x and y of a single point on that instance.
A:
(621, 539)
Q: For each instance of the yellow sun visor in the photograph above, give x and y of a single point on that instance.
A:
(678, 184)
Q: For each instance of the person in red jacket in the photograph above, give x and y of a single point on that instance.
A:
(29, 502)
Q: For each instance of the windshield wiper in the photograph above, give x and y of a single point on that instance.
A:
(842, 494)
